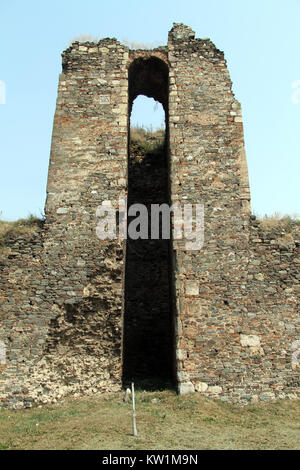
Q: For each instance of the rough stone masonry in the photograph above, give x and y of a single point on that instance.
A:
(231, 313)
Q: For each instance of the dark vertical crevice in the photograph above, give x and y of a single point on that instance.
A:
(148, 327)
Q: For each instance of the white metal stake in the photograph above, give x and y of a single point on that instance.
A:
(133, 411)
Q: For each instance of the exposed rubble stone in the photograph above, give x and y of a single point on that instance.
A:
(62, 291)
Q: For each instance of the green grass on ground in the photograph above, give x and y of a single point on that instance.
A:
(164, 421)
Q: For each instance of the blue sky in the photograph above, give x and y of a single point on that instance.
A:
(260, 39)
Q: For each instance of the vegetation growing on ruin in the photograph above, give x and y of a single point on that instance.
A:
(10, 231)
(145, 140)
(84, 38)
(278, 221)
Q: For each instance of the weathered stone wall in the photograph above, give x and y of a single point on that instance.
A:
(240, 333)
(23, 326)
(206, 142)
(234, 303)
(78, 348)
(88, 165)
(223, 290)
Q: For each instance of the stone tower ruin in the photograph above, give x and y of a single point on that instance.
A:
(82, 315)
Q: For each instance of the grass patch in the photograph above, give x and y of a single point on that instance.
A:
(10, 231)
(164, 421)
(84, 38)
(144, 141)
(278, 221)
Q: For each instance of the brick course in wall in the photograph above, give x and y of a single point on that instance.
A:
(235, 302)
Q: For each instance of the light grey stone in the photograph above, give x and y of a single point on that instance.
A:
(250, 340)
(186, 388)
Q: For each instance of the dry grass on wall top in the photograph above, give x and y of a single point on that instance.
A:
(278, 221)
(10, 231)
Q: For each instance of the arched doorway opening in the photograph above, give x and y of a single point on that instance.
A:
(148, 326)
